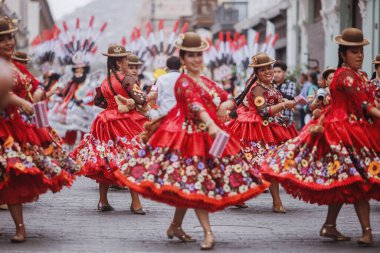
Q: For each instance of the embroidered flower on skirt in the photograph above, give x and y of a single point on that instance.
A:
(213, 177)
(116, 151)
(340, 163)
(51, 161)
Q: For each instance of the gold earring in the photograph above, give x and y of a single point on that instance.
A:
(184, 69)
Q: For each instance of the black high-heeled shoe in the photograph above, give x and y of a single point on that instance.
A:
(105, 208)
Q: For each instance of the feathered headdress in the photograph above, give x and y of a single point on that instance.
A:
(78, 46)
(230, 51)
(58, 47)
(155, 47)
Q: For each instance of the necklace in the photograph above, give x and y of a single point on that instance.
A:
(214, 95)
(265, 85)
(200, 82)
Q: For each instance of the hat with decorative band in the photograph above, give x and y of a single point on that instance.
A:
(134, 60)
(191, 42)
(20, 56)
(117, 51)
(6, 26)
(327, 72)
(261, 60)
(351, 37)
(376, 60)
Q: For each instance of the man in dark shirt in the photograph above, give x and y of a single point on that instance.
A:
(286, 87)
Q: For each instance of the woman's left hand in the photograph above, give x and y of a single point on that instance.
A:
(222, 114)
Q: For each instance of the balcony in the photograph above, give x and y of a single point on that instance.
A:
(228, 14)
(203, 13)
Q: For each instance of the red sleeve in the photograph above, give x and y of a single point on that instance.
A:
(221, 92)
(353, 85)
(345, 79)
(23, 70)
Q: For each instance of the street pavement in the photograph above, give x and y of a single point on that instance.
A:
(69, 222)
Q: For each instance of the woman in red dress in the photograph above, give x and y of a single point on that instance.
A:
(336, 159)
(176, 167)
(259, 124)
(32, 160)
(115, 132)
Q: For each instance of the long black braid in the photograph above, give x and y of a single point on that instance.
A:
(239, 99)
(341, 50)
(112, 69)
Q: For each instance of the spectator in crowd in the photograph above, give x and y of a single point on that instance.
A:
(165, 88)
(311, 92)
(286, 87)
(322, 97)
(305, 85)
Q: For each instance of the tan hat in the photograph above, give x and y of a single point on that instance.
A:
(351, 37)
(191, 42)
(327, 72)
(117, 51)
(133, 60)
(6, 26)
(376, 60)
(261, 60)
(20, 56)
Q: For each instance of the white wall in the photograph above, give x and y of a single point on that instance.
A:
(371, 22)
(261, 7)
(33, 23)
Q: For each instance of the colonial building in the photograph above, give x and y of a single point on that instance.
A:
(31, 16)
(307, 28)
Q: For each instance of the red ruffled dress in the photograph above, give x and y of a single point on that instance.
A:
(176, 167)
(32, 160)
(341, 164)
(112, 138)
(258, 130)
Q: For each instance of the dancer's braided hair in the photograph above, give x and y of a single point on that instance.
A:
(112, 69)
(239, 99)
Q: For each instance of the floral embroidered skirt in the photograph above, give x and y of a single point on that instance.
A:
(340, 165)
(257, 136)
(31, 162)
(176, 169)
(106, 149)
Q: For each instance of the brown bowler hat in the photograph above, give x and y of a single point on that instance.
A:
(376, 60)
(351, 37)
(6, 26)
(191, 42)
(261, 60)
(133, 60)
(117, 51)
(327, 72)
(20, 56)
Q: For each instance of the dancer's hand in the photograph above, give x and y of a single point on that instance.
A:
(27, 107)
(213, 129)
(377, 104)
(289, 104)
(222, 114)
(54, 91)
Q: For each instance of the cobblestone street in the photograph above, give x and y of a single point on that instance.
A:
(69, 222)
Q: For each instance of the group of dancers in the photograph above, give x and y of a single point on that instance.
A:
(165, 155)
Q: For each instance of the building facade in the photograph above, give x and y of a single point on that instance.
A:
(307, 28)
(31, 16)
